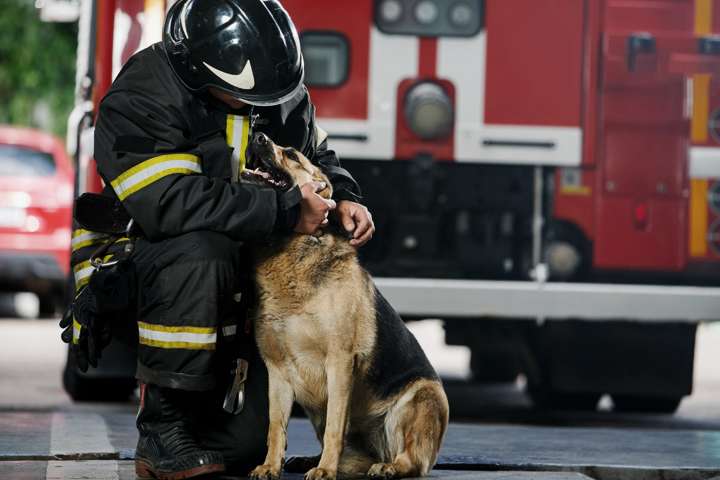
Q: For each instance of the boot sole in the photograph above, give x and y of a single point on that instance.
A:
(144, 471)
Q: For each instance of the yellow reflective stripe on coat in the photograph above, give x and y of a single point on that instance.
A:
(83, 271)
(152, 170)
(83, 238)
(76, 331)
(237, 133)
(321, 136)
(165, 336)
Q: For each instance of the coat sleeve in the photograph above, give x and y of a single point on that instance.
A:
(142, 151)
(302, 132)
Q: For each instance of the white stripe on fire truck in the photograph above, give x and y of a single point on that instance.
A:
(469, 80)
(704, 162)
(189, 338)
(238, 132)
(479, 142)
(152, 170)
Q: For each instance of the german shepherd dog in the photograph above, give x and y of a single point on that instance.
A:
(332, 343)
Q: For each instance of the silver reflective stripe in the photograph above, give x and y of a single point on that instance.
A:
(152, 170)
(82, 276)
(185, 337)
(178, 336)
(229, 331)
(84, 238)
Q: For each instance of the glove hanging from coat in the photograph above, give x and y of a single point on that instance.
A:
(88, 320)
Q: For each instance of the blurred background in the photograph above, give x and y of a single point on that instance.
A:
(543, 175)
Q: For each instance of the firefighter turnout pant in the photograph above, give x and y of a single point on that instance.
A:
(192, 305)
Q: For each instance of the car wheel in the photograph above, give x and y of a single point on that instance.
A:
(645, 403)
(48, 306)
(84, 388)
(553, 400)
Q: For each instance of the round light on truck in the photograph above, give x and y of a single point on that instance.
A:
(426, 12)
(391, 11)
(429, 111)
(461, 14)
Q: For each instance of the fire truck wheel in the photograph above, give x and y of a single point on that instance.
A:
(553, 400)
(493, 366)
(645, 404)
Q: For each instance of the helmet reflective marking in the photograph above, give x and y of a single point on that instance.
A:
(183, 20)
(244, 80)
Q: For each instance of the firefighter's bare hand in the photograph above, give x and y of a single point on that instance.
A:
(356, 219)
(314, 209)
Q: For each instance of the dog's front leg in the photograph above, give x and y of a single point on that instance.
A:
(339, 368)
(280, 397)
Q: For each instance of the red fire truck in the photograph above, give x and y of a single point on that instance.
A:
(542, 172)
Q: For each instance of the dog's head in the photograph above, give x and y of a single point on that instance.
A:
(280, 167)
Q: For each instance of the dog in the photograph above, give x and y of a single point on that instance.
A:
(332, 343)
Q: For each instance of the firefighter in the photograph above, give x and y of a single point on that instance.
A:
(170, 145)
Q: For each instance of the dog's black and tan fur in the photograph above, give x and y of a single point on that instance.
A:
(333, 343)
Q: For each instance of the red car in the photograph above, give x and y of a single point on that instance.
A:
(36, 196)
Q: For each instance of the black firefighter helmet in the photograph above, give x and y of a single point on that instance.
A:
(247, 48)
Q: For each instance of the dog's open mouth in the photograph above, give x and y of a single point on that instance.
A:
(261, 167)
(262, 177)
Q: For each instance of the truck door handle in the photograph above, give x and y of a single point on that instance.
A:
(709, 45)
(639, 43)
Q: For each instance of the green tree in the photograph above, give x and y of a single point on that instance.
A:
(37, 65)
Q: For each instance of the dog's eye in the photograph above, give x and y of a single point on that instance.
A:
(291, 154)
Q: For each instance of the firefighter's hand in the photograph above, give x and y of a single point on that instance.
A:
(357, 220)
(314, 209)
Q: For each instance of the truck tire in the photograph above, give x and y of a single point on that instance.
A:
(645, 404)
(492, 366)
(643, 366)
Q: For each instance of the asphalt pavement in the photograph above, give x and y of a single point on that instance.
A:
(43, 435)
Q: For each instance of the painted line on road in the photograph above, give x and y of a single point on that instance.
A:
(80, 435)
(74, 434)
(95, 469)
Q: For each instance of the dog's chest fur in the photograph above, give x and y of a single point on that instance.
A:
(315, 302)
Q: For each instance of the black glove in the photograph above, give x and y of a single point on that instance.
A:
(88, 321)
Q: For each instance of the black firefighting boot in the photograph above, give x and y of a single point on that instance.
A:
(166, 449)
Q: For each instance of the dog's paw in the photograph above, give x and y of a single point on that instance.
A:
(318, 473)
(382, 470)
(265, 472)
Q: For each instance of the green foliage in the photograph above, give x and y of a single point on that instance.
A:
(37, 64)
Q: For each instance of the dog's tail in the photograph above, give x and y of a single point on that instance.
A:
(416, 426)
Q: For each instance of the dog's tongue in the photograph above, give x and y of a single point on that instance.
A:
(259, 173)
(249, 172)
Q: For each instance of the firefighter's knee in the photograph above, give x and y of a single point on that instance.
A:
(186, 302)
